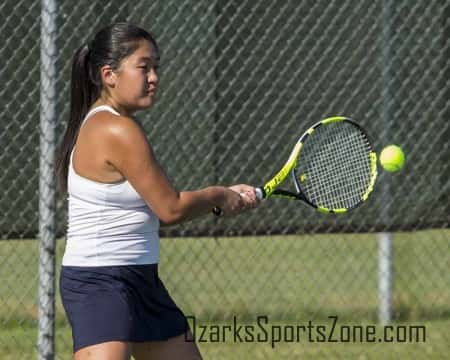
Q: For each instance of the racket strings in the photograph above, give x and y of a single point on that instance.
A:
(335, 188)
(334, 166)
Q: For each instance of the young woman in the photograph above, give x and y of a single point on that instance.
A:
(118, 195)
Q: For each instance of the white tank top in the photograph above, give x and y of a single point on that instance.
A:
(108, 224)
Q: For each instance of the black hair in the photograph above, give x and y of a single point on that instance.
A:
(109, 47)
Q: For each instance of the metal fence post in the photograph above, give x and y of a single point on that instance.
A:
(47, 190)
(385, 238)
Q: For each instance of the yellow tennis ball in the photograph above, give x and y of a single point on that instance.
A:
(392, 158)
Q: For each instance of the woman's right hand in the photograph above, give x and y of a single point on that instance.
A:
(234, 202)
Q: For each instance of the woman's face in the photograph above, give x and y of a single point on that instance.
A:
(135, 82)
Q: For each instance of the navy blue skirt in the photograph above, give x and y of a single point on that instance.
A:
(118, 303)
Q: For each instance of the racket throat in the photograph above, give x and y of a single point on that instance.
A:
(294, 177)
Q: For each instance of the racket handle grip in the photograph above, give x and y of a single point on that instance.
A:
(259, 193)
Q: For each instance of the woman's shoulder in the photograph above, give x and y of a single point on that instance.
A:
(116, 131)
(104, 140)
(106, 122)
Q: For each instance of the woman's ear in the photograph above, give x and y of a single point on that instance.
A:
(108, 76)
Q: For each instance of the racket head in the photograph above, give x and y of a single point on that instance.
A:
(336, 167)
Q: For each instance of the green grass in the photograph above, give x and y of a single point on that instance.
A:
(291, 279)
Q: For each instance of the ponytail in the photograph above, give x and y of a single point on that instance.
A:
(84, 92)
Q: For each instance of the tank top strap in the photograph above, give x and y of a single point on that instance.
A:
(97, 109)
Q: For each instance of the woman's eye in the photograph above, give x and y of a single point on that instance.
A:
(147, 68)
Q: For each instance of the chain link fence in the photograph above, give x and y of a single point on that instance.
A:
(239, 81)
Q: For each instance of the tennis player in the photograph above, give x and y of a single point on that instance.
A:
(118, 195)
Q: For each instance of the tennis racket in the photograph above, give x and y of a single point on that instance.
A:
(332, 166)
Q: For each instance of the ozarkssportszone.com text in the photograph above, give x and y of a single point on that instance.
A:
(262, 331)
